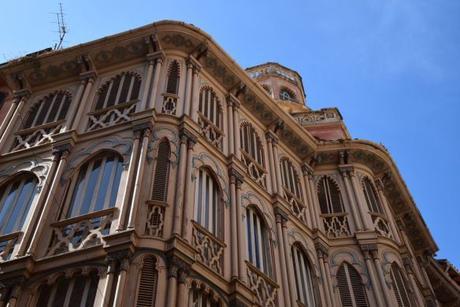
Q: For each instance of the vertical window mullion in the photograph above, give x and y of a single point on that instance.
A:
(84, 297)
(51, 106)
(61, 105)
(261, 250)
(120, 86)
(93, 204)
(108, 194)
(109, 90)
(37, 114)
(131, 85)
(4, 220)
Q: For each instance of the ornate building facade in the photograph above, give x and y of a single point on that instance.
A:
(148, 169)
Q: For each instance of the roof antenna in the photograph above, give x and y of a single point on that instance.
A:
(61, 27)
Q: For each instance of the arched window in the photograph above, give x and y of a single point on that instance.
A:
(207, 203)
(15, 199)
(50, 109)
(172, 86)
(97, 184)
(123, 88)
(287, 95)
(257, 241)
(303, 277)
(210, 116)
(351, 288)
(400, 287)
(330, 199)
(371, 197)
(67, 292)
(252, 153)
(161, 178)
(291, 188)
(148, 281)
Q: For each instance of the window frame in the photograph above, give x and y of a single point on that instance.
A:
(308, 297)
(327, 192)
(262, 249)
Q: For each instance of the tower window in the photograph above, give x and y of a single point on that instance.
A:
(287, 94)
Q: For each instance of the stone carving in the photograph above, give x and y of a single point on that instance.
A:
(210, 131)
(317, 117)
(336, 225)
(37, 136)
(169, 105)
(210, 249)
(264, 288)
(111, 116)
(254, 169)
(155, 220)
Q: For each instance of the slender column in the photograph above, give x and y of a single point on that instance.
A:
(271, 159)
(307, 212)
(139, 176)
(366, 249)
(381, 276)
(236, 126)
(315, 204)
(129, 178)
(195, 92)
(408, 265)
(277, 165)
(234, 232)
(180, 179)
(387, 210)
(346, 172)
(242, 254)
(286, 286)
(188, 203)
(75, 103)
(82, 103)
(307, 171)
(188, 88)
(290, 268)
(147, 84)
(325, 275)
(9, 115)
(360, 201)
(107, 294)
(183, 297)
(119, 291)
(156, 78)
(44, 205)
(231, 132)
(14, 296)
(172, 286)
(22, 96)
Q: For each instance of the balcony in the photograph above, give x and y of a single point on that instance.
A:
(210, 131)
(37, 135)
(81, 232)
(254, 169)
(210, 249)
(263, 286)
(7, 244)
(336, 224)
(381, 225)
(112, 115)
(297, 207)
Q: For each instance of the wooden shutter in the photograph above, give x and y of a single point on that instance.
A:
(352, 292)
(161, 178)
(399, 287)
(147, 283)
(173, 78)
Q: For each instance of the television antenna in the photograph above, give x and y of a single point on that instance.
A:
(62, 28)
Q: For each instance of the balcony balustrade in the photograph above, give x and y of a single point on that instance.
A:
(336, 224)
(210, 131)
(254, 169)
(263, 286)
(37, 135)
(210, 249)
(381, 225)
(297, 207)
(7, 244)
(112, 115)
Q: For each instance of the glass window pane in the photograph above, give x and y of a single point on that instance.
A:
(105, 181)
(92, 181)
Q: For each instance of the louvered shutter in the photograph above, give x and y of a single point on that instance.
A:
(399, 287)
(352, 292)
(161, 178)
(173, 78)
(358, 289)
(344, 289)
(147, 283)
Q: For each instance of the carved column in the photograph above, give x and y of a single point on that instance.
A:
(124, 210)
(231, 131)
(387, 210)
(119, 291)
(188, 88)
(312, 215)
(367, 249)
(236, 126)
(110, 277)
(183, 296)
(195, 91)
(240, 228)
(90, 77)
(147, 84)
(188, 201)
(146, 131)
(321, 250)
(286, 285)
(156, 79)
(347, 171)
(381, 276)
(234, 177)
(46, 202)
(20, 98)
(271, 160)
(410, 272)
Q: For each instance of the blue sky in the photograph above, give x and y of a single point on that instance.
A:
(392, 67)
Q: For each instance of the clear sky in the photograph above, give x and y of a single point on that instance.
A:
(392, 67)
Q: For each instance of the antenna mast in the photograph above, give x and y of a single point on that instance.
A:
(62, 27)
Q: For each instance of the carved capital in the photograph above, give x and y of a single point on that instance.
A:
(281, 216)
(346, 170)
(307, 170)
(369, 247)
(187, 137)
(177, 268)
(233, 101)
(322, 250)
(193, 64)
(271, 137)
(21, 94)
(61, 150)
(235, 176)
